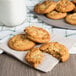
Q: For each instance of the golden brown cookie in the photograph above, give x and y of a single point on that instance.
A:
(45, 7)
(56, 15)
(71, 19)
(34, 57)
(37, 34)
(57, 50)
(20, 43)
(65, 6)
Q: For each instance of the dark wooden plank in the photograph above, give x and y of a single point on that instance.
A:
(9, 66)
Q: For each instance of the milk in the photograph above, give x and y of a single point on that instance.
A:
(12, 12)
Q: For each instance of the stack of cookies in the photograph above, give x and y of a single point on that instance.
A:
(32, 37)
(58, 10)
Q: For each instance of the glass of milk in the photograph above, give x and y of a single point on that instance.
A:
(12, 12)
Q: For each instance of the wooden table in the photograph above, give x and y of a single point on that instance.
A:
(10, 66)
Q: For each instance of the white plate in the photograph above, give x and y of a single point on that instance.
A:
(56, 23)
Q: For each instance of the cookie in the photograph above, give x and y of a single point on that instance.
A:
(57, 50)
(36, 34)
(65, 6)
(34, 57)
(56, 15)
(20, 43)
(45, 7)
(71, 19)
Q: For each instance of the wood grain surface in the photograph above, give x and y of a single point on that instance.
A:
(10, 66)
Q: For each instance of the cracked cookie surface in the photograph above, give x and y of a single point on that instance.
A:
(37, 34)
(57, 50)
(20, 43)
(56, 15)
(34, 57)
(45, 7)
(65, 6)
(71, 19)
